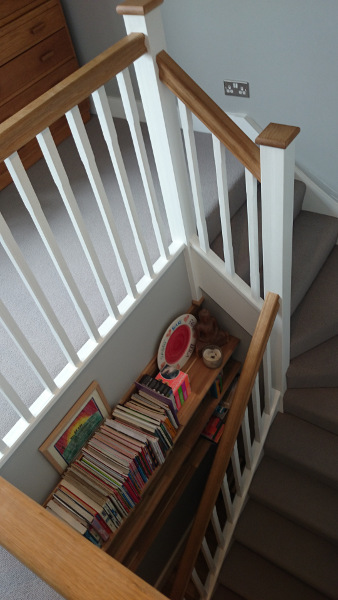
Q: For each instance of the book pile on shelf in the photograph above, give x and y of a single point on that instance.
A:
(215, 426)
(102, 486)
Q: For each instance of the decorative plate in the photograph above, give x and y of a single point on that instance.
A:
(178, 342)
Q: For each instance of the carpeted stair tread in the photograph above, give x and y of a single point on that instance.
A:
(297, 496)
(239, 229)
(316, 318)
(255, 578)
(289, 546)
(305, 447)
(315, 368)
(314, 236)
(316, 405)
(223, 593)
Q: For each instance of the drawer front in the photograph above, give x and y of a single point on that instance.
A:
(32, 65)
(39, 87)
(30, 29)
(9, 7)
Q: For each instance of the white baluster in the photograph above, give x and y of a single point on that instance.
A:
(236, 470)
(14, 253)
(256, 405)
(190, 147)
(110, 136)
(60, 177)
(208, 556)
(130, 108)
(26, 349)
(223, 199)
(198, 583)
(217, 528)
(14, 400)
(267, 378)
(227, 499)
(247, 440)
(252, 211)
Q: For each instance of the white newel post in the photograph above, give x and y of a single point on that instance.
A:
(277, 155)
(143, 16)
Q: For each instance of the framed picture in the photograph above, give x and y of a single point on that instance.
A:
(65, 442)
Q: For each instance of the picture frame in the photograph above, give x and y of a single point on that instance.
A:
(64, 443)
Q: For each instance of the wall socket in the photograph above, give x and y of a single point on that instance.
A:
(237, 88)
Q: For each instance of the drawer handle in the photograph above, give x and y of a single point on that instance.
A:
(47, 56)
(38, 27)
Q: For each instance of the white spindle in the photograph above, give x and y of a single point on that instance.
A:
(208, 556)
(227, 499)
(217, 527)
(267, 378)
(109, 132)
(33, 206)
(190, 147)
(14, 253)
(86, 154)
(224, 209)
(14, 400)
(3, 448)
(256, 405)
(26, 349)
(130, 108)
(236, 470)
(60, 177)
(198, 583)
(247, 440)
(252, 211)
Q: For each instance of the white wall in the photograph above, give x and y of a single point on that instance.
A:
(115, 368)
(287, 50)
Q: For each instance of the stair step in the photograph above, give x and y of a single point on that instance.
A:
(305, 447)
(290, 547)
(314, 236)
(223, 593)
(316, 318)
(315, 368)
(255, 578)
(297, 496)
(315, 405)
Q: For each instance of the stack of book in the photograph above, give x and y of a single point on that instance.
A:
(178, 382)
(102, 486)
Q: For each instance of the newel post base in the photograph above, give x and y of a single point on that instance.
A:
(277, 153)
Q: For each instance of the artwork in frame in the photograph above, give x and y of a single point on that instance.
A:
(65, 442)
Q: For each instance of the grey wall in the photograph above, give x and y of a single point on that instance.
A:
(287, 50)
(115, 368)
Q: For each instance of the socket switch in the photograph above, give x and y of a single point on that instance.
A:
(237, 88)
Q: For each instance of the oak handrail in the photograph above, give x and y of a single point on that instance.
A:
(66, 561)
(226, 444)
(23, 126)
(209, 113)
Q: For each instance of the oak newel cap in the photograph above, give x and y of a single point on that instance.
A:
(277, 136)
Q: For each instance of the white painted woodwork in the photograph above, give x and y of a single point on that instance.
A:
(277, 169)
(246, 440)
(198, 583)
(132, 116)
(26, 349)
(15, 255)
(86, 154)
(160, 108)
(14, 400)
(227, 499)
(31, 202)
(267, 379)
(109, 132)
(58, 172)
(223, 199)
(217, 527)
(193, 166)
(256, 409)
(236, 470)
(208, 556)
(252, 212)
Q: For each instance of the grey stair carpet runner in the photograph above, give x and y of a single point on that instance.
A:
(286, 540)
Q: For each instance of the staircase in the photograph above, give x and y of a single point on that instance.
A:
(286, 540)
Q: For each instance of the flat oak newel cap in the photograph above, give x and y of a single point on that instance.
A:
(137, 7)
(277, 136)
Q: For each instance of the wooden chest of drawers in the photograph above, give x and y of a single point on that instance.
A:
(36, 52)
